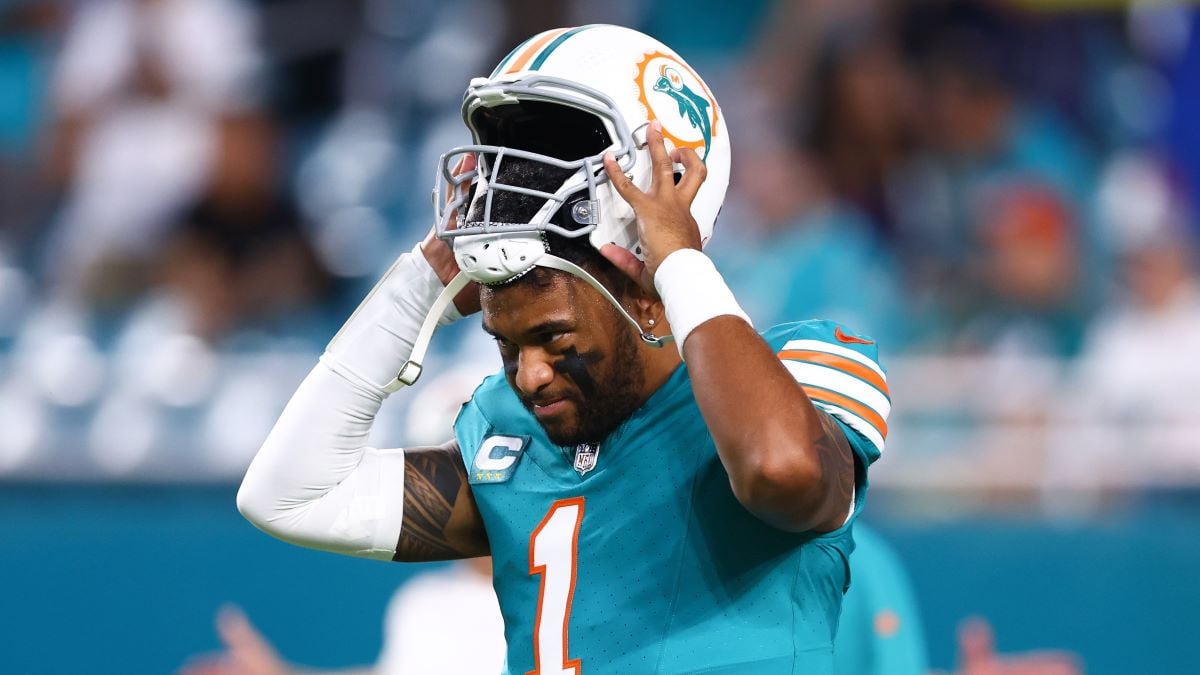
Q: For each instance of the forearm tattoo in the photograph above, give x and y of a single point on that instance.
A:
(435, 486)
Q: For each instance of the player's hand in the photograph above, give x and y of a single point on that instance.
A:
(664, 212)
(977, 656)
(247, 651)
(441, 257)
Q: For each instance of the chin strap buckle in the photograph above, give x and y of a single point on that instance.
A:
(656, 342)
(409, 373)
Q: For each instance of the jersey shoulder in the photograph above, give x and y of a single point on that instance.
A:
(493, 412)
(800, 335)
(841, 373)
(494, 399)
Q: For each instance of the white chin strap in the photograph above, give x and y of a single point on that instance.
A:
(410, 372)
(555, 262)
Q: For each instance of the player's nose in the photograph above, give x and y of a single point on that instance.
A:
(534, 371)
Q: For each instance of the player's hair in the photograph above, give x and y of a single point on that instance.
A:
(514, 207)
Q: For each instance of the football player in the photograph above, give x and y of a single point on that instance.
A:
(662, 488)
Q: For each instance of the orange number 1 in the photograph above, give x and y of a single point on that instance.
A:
(554, 554)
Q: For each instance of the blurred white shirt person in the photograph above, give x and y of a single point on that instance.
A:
(139, 88)
(445, 622)
(1138, 372)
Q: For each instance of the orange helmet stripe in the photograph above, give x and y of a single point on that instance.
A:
(526, 56)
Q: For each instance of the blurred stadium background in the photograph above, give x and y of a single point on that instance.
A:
(195, 193)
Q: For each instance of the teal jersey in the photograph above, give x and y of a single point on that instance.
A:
(637, 558)
(880, 632)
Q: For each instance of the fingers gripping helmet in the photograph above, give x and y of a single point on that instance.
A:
(562, 99)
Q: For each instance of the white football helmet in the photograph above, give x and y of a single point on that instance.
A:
(563, 98)
(601, 86)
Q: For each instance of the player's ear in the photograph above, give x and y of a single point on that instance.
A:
(648, 309)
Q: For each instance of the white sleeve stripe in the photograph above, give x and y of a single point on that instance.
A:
(829, 348)
(857, 423)
(840, 382)
(853, 503)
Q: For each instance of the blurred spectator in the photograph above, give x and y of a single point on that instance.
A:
(144, 93)
(1137, 370)
(790, 40)
(238, 253)
(445, 622)
(26, 29)
(1024, 275)
(792, 246)
(170, 167)
(23, 28)
(822, 260)
(863, 112)
(1176, 33)
(991, 160)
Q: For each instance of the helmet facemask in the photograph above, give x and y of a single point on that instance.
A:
(539, 171)
(550, 121)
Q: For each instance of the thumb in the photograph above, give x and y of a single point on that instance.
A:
(976, 645)
(620, 182)
(237, 632)
(249, 651)
(624, 260)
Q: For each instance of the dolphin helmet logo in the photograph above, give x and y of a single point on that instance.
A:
(673, 93)
(692, 106)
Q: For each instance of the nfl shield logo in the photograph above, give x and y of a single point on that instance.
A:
(585, 457)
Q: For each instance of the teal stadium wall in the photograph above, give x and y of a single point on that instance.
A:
(127, 580)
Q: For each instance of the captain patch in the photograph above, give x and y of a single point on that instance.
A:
(496, 459)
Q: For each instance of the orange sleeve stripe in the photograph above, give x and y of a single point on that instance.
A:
(832, 397)
(527, 55)
(841, 363)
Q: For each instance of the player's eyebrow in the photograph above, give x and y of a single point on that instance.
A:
(548, 326)
(551, 326)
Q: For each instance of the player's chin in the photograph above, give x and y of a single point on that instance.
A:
(562, 429)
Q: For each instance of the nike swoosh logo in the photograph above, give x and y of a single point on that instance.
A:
(850, 339)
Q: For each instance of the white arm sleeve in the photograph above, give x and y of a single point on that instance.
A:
(315, 482)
